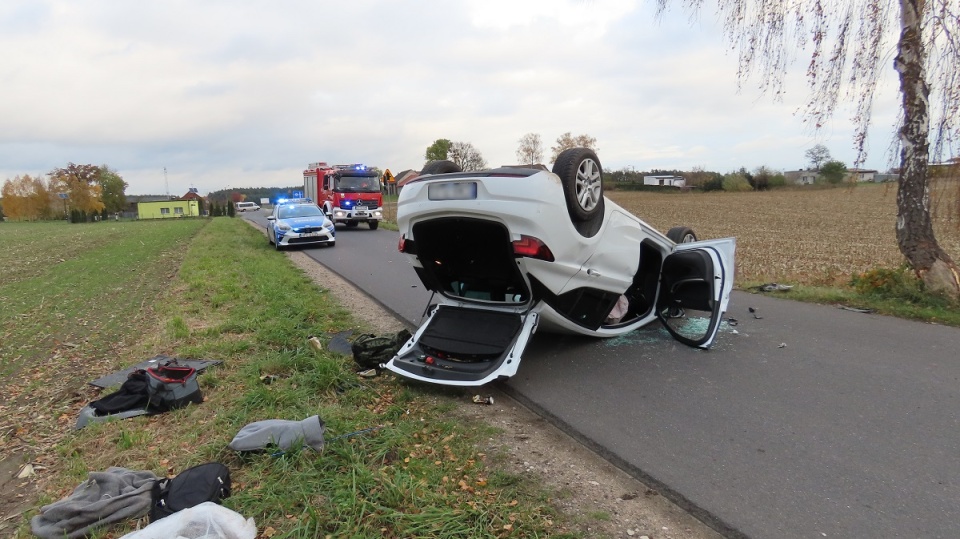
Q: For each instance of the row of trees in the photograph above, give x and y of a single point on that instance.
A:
(74, 189)
(529, 152)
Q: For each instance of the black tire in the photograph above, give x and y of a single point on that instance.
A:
(373, 224)
(440, 167)
(681, 234)
(352, 224)
(580, 174)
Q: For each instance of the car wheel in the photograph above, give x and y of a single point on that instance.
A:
(373, 224)
(580, 174)
(440, 167)
(276, 242)
(681, 234)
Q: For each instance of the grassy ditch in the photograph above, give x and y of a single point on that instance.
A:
(225, 295)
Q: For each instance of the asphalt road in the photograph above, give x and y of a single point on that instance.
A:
(801, 421)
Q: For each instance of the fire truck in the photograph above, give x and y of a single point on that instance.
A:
(349, 194)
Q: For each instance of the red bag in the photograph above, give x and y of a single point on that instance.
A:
(172, 386)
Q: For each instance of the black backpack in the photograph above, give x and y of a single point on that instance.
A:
(208, 482)
(370, 350)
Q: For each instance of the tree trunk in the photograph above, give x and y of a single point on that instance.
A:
(914, 226)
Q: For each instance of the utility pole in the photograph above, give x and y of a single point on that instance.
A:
(64, 196)
(165, 183)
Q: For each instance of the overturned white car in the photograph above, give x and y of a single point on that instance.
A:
(514, 250)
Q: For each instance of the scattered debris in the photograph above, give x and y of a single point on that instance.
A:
(316, 344)
(754, 312)
(369, 373)
(267, 378)
(856, 309)
(772, 287)
(782, 345)
(477, 399)
(339, 342)
(732, 321)
(26, 471)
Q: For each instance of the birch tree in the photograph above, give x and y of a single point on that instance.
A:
(468, 158)
(567, 141)
(849, 42)
(530, 151)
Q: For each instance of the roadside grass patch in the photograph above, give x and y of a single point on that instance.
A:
(397, 461)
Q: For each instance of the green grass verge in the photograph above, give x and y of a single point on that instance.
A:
(421, 473)
(906, 300)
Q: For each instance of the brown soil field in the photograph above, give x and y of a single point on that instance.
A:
(812, 236)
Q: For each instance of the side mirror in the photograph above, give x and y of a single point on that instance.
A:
(271, 218)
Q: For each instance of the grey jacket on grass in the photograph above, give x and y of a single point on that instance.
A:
(280, 433)
(104, 498)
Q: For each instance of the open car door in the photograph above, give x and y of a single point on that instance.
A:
(695, 284)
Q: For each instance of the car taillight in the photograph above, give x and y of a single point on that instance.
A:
(407, 246)
(532, 247)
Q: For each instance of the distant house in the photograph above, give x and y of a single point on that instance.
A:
(405, 176)
(167, 209)
(665, 180)
(883, 178)
(801, 177)
(810, 177)
(860, 175)
(192, 194)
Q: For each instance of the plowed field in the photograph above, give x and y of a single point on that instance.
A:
(806, 236)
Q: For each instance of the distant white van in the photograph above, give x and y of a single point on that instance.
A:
(247, 206)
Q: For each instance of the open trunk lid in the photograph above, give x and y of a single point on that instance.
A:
(477, 334)
(466, 346)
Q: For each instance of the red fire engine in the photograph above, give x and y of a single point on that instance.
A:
(349, 194)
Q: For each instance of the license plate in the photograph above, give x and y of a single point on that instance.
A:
(452, 191)
(360, 208)
(311, 234)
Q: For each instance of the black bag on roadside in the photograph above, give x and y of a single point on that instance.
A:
(370, 351)
(131, 396)
(171, 386)
(208, 482)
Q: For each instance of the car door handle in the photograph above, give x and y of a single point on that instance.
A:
(593, 273)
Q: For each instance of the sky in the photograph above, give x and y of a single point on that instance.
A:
(226, 94)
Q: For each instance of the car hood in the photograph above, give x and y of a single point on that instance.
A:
(304, 221)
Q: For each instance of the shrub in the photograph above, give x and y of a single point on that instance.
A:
(899, 283)
(736, 183)
(713, 184)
